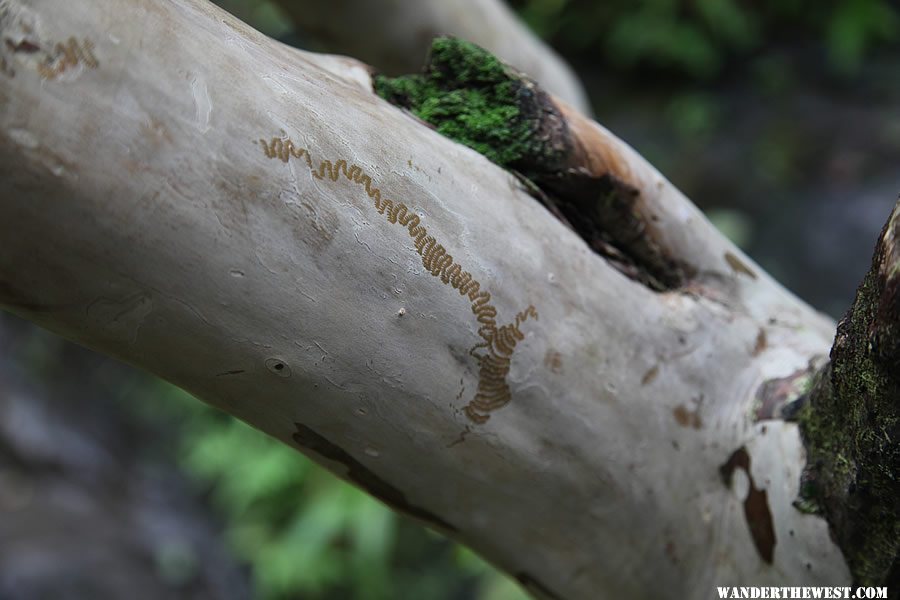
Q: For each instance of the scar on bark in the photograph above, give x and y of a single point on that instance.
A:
(756, 505)
(472, 97)
(232, 372)
(687, 417)
(365, 478)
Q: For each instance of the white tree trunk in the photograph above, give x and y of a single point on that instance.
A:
(173, 193)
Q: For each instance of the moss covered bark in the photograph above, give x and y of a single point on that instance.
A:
(851, 425)
(472, 97)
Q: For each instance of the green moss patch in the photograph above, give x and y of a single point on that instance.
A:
(471, 97)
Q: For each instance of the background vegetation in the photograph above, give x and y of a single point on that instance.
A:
(704, 39)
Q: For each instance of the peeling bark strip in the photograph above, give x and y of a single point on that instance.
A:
(472, 97)
(780, 398)
(495, 352)
(756, 505)
(359, 474)
(851, 424)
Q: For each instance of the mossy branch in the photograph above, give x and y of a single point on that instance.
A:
(472, 97)
(851, 425)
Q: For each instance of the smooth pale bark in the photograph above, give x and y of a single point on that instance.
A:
(394, 35)
(147, 213)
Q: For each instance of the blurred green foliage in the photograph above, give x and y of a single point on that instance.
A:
(305, 533)
(699, 38)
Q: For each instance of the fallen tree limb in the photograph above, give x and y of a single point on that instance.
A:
(254, 224)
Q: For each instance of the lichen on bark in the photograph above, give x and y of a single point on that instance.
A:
(851, 424)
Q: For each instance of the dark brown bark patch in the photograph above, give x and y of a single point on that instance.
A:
(22, 45)
(363, 477)
(756, 505)
(761, 342)
(686, 417)
(650, 375)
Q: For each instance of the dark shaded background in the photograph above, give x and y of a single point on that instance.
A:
(777, 117)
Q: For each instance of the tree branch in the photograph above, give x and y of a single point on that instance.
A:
(254, 224)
